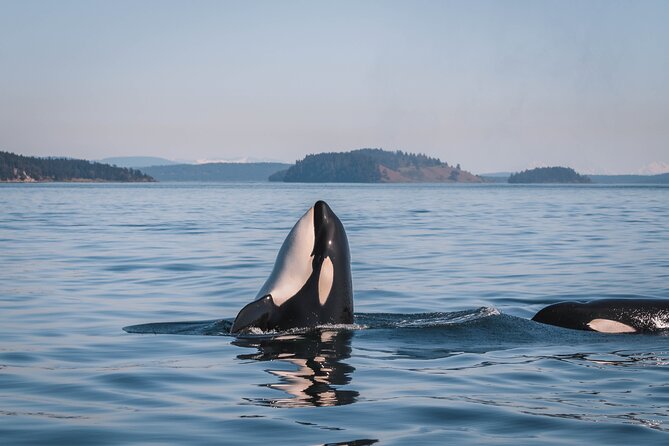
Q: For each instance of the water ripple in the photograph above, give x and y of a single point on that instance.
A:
(442, 351)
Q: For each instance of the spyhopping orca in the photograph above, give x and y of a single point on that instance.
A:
(311, 282)
(609, 315)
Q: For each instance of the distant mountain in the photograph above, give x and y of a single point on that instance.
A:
(137, 161)
(373, 166)
(654, 168)
(215, 171)
(19, 168)
(241, 160)
(549, 175)
(631, 179)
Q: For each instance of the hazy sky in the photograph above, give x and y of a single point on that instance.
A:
(493, 85)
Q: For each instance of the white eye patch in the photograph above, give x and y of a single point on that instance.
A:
(325, 280)
(609, 326)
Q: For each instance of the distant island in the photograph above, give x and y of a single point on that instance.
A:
(215, 171)
(548, 175)
(357, 166)
(373, 166)
(662, 178)
(27, 169)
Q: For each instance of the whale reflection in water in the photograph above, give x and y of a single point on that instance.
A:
(319, 368)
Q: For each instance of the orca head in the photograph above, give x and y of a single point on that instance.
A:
(563, 314)
(311, 280)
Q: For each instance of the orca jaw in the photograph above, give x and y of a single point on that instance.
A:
(563, 314)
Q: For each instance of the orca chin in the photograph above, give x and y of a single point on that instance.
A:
(310, 283)
(609, 315)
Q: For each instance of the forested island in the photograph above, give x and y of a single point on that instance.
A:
(357, 166)
(548, 175)
(373, 166)
(28, 169)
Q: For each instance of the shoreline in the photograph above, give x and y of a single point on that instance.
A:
(72, 180)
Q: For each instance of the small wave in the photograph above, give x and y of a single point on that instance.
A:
(257, 332)
(423, 320)
(216, 327)
(661, 323)
(363, 321)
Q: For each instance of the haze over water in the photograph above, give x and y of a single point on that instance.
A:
(445, 280)
(494, 86)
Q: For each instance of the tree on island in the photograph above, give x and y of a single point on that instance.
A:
(353, 167)
(370, 166)
(27, 168)
(548, 175)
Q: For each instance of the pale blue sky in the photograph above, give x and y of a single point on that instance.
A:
(493, 85)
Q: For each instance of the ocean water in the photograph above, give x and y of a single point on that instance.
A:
(443, 351)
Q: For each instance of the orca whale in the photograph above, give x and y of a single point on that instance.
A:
(310, 284)
(608, 315)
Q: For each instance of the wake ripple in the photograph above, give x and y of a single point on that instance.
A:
(363, 321)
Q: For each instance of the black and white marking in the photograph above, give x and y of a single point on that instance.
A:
(310, 284)
(609, 315)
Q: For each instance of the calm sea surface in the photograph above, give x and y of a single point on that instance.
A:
(445, 280)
